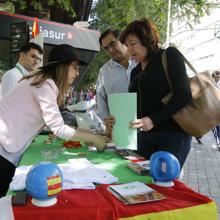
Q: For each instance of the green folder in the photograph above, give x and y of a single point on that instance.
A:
(123, 106)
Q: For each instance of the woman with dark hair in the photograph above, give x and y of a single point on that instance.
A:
(34, 103)
(158, 131)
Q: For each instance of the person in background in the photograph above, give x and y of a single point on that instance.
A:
(75, 97)
(89, 95)
(216, 130)
(198, 140)
(33, 103)
(114, 76)
(29, 59)
(157, 129)
(82, 95)
(216, 77)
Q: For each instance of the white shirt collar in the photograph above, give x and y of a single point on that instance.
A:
(21, 69)
(132, 63)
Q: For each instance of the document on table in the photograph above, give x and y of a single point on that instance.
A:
(123, 106)
(135, 192)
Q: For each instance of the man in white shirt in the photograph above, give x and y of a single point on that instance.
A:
(114, 76)
(29, 59)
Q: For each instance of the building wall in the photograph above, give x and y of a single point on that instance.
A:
(201, 44)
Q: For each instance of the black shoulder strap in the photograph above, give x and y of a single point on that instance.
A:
(164, 63)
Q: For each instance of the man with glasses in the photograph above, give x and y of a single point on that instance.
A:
(114, 76)
(29, 59)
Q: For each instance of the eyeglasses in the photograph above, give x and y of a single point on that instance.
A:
(111, 45)
(38, 59)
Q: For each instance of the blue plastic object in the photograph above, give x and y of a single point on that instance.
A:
(44, 181)
(164, 166)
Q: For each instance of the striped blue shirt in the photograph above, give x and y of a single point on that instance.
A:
(113, 78)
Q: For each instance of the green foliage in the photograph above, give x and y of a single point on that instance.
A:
(4, 66)
(119, 13)
(90, 77)
(111, 13)
(40, 5)
(192, 10)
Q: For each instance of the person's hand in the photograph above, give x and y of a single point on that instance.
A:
(108, 132)
(100, 142)
(145, 124)
(109, 121)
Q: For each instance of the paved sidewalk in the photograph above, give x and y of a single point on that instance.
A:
(202, 168)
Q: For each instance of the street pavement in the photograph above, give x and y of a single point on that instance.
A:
(202, 168)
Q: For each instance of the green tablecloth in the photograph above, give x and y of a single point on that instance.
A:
(108, 160)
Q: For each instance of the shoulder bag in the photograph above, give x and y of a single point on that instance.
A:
(203, 112)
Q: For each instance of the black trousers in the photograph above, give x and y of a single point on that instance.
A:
(7, 170)
(178, 144)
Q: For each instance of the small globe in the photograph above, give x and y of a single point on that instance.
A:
(164, 166)
(44, 181)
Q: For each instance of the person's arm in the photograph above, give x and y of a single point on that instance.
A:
(47, 99)
(98, 140)
(181, 89)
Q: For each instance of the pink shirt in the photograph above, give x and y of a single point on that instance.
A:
(25, 111)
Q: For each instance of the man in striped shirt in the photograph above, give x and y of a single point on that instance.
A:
(114, 76)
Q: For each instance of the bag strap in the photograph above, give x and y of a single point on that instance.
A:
(164, 63)
(190, 65)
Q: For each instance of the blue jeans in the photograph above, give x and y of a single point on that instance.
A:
(178, 144)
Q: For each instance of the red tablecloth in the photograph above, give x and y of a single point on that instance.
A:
(99, 204)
